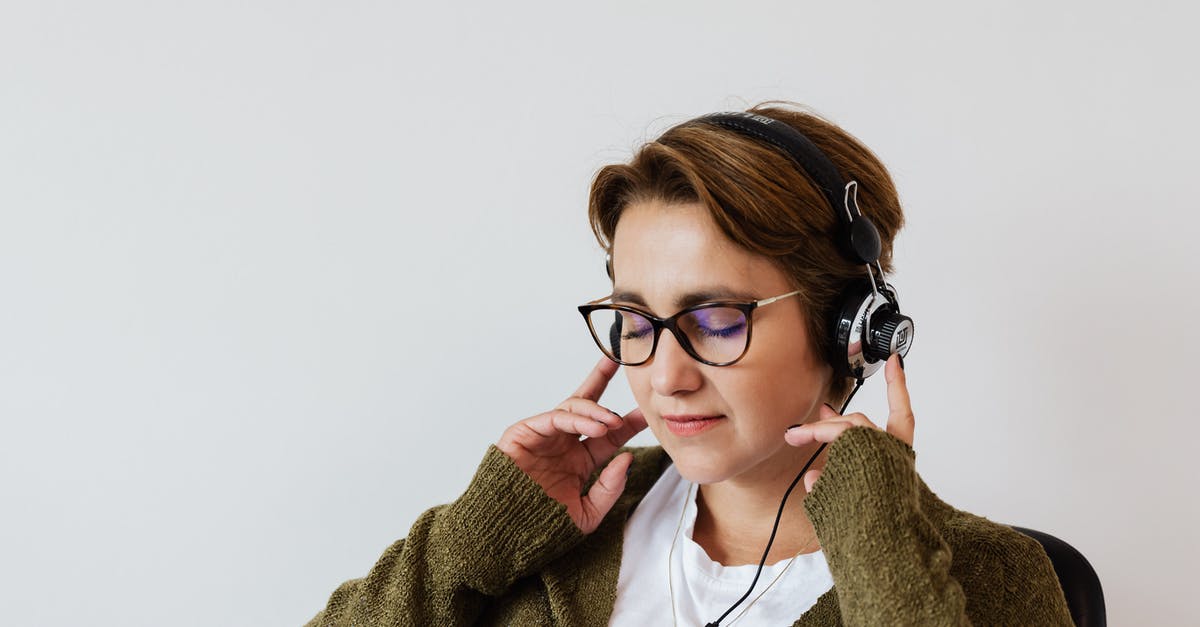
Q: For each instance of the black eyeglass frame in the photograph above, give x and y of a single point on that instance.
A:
(671, 324)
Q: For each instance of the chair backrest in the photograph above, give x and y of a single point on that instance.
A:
(1085, 597)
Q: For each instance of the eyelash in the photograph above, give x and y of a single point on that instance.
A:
(725, 332)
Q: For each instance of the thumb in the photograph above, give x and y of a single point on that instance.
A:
(810, 478)
(605, 491)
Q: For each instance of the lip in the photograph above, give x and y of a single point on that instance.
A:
(691, 424)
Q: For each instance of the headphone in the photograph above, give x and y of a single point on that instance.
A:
(868, 326)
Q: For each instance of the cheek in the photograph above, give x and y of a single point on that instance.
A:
(779, 384)
(639, 384)
(765, 403)
(765, 399)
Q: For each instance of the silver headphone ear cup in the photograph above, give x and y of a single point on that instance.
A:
(847, 330)
(851, 357)
(868, 329)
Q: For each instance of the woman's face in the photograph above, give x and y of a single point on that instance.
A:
(668, 256)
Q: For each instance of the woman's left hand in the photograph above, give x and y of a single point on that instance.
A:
(831, 424)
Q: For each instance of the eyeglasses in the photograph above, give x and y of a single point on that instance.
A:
(717, 333)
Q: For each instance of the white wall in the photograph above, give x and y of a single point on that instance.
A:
(262, 266)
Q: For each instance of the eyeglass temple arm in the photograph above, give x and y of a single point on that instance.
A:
(768, 301)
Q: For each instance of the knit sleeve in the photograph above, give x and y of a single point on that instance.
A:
(457, 556)
(891, 563)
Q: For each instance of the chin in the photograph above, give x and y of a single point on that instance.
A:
(702, 476)
(708, 460)
(699, 464)
(701, 459)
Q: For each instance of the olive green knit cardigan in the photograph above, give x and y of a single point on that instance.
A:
(504, 553)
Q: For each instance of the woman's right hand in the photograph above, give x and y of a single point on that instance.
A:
(549, 449)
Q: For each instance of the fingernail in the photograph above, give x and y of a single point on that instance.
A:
(794, 426)
(615, 414)
(901, 358)
(831, 408)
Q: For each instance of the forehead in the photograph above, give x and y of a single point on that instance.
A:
(664, 252)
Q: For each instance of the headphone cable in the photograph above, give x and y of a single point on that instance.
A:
(775, 527)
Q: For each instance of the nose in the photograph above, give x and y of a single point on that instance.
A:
(672, 370)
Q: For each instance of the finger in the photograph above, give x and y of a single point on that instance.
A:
(553, 424)
(601, 448)
(810, 478)
(593, 410)
(597, 380)
(827, 412)
(857, 418)
(900, 422)
(632, 424)
(799, 437)
(604, 492)
(796, 436)
(825, 430)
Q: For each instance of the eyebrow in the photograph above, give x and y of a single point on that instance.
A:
(691, 298)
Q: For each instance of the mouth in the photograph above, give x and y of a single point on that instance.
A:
(690, 424)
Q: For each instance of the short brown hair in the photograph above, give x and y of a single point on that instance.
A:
(763, 201)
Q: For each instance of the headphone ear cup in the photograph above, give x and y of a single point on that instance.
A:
(849, 357)
(868, 330)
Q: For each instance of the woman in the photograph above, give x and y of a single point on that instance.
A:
(738, 271)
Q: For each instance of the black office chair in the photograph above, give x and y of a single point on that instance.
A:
(1085, 597)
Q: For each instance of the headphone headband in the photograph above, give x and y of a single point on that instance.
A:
(811, 159)
(860, 238)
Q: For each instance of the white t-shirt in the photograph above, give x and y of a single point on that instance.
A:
(704, 589)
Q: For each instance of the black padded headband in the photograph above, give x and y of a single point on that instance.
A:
(860, 237)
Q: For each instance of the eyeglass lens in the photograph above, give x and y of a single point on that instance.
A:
(716, 334)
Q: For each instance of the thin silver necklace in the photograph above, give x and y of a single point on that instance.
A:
(670, 561)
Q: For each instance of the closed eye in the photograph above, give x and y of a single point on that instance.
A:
(728, 331)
